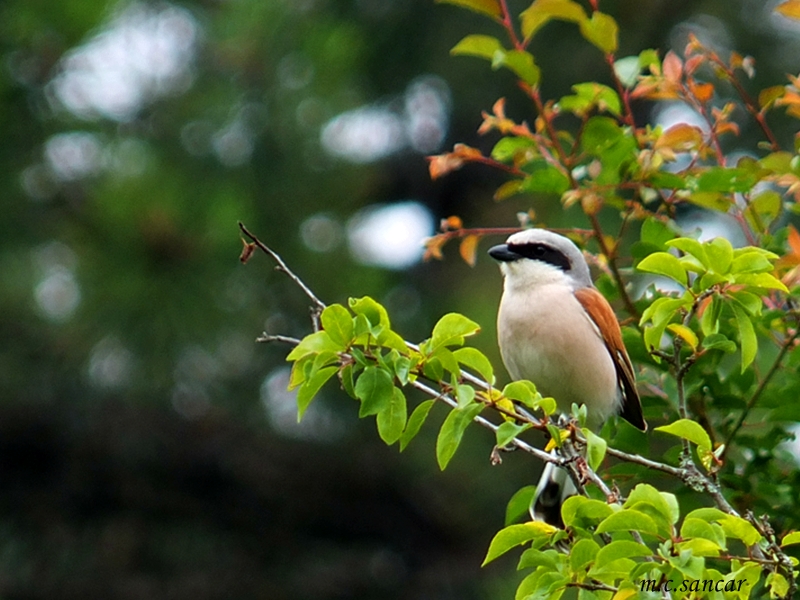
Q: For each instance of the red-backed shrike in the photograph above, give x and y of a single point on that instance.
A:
(555, 329)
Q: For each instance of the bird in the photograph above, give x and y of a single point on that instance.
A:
(557, 330)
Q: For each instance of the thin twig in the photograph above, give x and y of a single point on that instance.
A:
(284, 339)
(787, 344)
(319, 305)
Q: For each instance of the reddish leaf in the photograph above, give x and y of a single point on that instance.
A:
(673, 68)
(468, 249)
(247, 251)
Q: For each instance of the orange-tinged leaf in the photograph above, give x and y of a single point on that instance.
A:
(681, 137)
(702, 91)
(789, 9)
(433, 247)
(451, 222)
(673, 67)
(794, 240)
(468, 249)
(442, 164)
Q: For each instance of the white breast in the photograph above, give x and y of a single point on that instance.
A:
(546, 336)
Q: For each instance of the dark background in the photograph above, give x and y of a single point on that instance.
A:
(147, 446)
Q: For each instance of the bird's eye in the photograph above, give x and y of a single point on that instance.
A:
(539, 251)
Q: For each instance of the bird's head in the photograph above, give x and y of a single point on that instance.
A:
(537, 257)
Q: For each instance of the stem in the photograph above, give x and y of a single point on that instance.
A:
(612, 263)
(627, 115)
(508, 24)
(749, 103)
(785, 347)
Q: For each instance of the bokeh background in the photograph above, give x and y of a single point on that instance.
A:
(148, 445)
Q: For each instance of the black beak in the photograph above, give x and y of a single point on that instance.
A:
(503, 253)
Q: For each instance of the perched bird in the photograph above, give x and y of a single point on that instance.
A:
(555, 329)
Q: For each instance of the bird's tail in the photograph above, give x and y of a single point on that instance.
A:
(555, 486)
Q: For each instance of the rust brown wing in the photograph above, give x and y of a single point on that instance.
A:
(603, 315)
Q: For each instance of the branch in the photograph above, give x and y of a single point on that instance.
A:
(318, 305)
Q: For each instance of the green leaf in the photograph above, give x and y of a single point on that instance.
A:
(595, 449)
(647, 494)
(762, 280)
(750, 262)
(747, 336)
(402, 368)
(520, 503)
(523, 65)
(374, 388)
(699, 528)
(717, 341)
(741, 529)
(372, 310)
(725, 180)
(720, 255)
(763, 209)
(516, 535)
(692, 248)
(710, 200)
(415, 422)
(602, 31)
(791, 538)
(318, 341)
(451, 330)
(508, 148)
(545, 179)
(389, 339)
(778, 585)
(544, 583)
(590, 95)
(482, 46)
(465, 394)
(347, 381)
(310, 388)
(583, 553)
(524, 391)
(663, 263)
(750, 302)
(507, 431)
(599, 134)
(452, 432)
(541, 11)
(656, 233)
(578, 511)
(338, 322)
(486, 7)
(628, 520)
(447, 360)
(392, 419)
(699, 547)
(688, 430)
(620, 549)
(477, 361)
